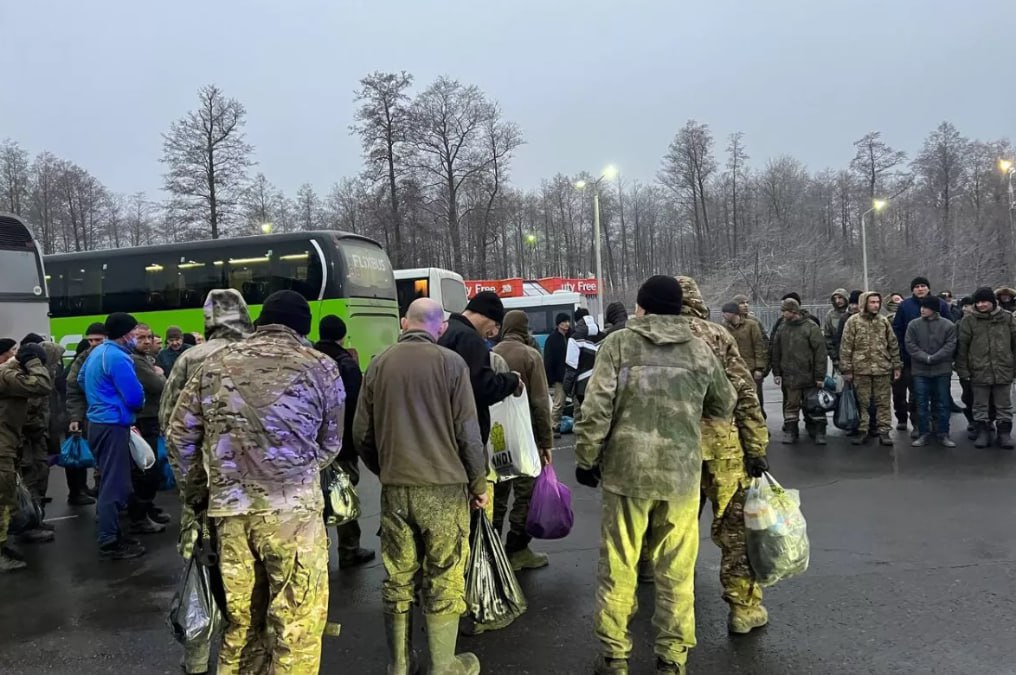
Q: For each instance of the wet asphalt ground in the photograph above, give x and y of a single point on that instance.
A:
(913, 570)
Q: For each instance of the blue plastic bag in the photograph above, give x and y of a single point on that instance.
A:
(167, 481)
(567, 425)
(550, 509)
(75, 453)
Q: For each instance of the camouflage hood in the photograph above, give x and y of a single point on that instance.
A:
(842, 292)
(691, 299)
(226, 315)
(661, 329)
(862, 303)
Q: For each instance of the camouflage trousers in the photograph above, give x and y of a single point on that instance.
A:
(724, 482)
(877, 389)
(35, 461)
(426, 527)
(8, 494)
(671, 530)
(523, 489)
(275, 572)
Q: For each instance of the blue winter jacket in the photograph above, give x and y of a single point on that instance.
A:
(111, 385)
(909, 310)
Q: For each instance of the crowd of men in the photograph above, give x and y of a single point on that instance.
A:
(899, 361)
(252, 416)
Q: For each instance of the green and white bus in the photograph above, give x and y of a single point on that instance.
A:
(343, 274)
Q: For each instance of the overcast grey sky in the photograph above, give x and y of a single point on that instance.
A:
(589, 82)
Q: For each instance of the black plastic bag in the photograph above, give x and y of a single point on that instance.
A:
(847, 416)
(28, 514)
(342, 505)
(195, 614)
(493, 594)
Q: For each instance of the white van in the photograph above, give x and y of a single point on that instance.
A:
(444, 286)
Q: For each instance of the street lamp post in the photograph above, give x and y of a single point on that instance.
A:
(1007, 167)
(876, 206)
(608, 173)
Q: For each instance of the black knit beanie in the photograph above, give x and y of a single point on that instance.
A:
(119, 324)
(287, 308)
(332, 328)
(792, 295)
(486, 303)
(32, 339)
(985, 294)
(6, 344)
(966, 301)
(932, 302)
(919, 281)
(730, 308)
(660, 294)
(561, 318)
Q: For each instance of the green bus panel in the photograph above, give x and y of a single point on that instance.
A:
(372, 325)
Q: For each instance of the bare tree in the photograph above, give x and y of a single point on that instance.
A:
(383, 123)
(207, 158)
(686, 169)
(875, 161)
(14, 178)
(449, 119)
(139, 220)
(308, 208)
(258, 204)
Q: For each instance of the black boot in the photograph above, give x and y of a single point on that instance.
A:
(983, 435)
(1004, 435)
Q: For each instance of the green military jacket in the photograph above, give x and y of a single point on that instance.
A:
(987, 345)
(17, 386)
(799, 353)
(719, 440)
(641, 418)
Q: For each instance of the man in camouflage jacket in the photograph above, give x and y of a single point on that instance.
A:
(831, 323)
(799, 365)
(226, 321)
(652, 385)
(255, 426)
(733, 450)
(869, 356)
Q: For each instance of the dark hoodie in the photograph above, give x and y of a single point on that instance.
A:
(515, 350)
(352, 378)
(617, 317)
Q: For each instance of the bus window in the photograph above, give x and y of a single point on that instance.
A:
(84, 287)
(367, 271)
(453, 295)
(409, 290)
(19, 272)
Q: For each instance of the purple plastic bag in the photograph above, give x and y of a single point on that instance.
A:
(550, 509)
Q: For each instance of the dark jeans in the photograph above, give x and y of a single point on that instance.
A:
(110, 444)
(144, 483)
(933, 398)
(901, 388)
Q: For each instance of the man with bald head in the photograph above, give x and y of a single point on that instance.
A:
(416, 427)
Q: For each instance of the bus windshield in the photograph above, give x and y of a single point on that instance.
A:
(19, 273)
(367, 271)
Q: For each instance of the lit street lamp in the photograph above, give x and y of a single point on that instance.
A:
(266, 228)
(608, 173)
(876, 206)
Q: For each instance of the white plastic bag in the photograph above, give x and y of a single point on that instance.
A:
(141, 452)
(775, 531)
(512, 446)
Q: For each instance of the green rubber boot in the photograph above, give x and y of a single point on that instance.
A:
(442, 632)
(399, 635)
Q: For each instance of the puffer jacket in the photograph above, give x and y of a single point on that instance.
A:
(987, 351)
(799, 353)
(868, 345)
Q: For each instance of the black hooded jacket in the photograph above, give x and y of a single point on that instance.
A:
(349, 370)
